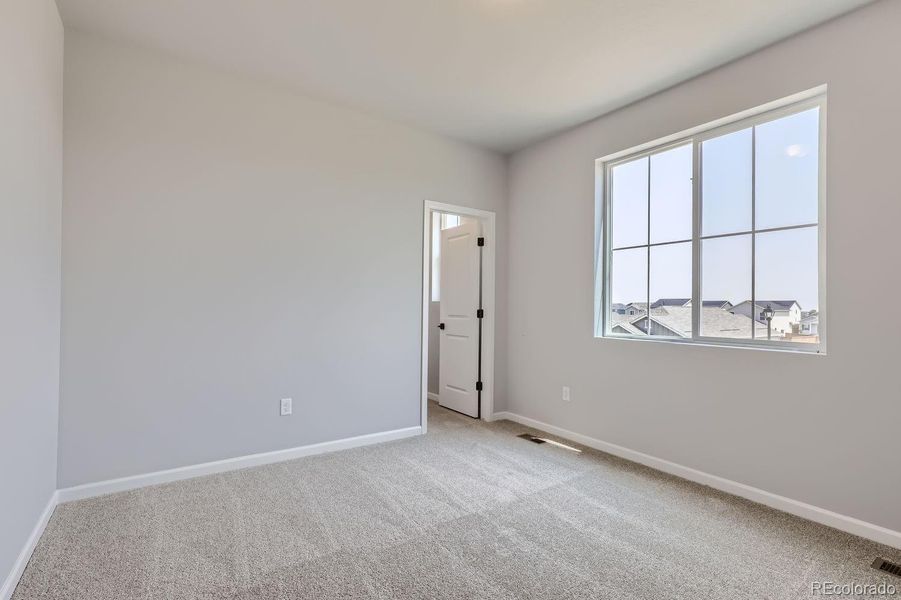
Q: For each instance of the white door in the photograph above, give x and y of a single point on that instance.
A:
(458, 351)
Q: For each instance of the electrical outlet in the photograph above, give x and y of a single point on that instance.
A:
(566, 397)
(286, 407)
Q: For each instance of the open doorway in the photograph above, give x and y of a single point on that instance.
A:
(462, 377)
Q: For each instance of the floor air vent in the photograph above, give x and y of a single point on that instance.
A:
(541, 440)
(880, 564)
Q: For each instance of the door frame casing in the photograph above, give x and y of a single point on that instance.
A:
(489, 271)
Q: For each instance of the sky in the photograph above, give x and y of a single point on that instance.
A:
(786, 158)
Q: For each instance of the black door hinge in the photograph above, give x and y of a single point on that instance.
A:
(440, 325)
(480, 314)
(481, 241)
(478, 386)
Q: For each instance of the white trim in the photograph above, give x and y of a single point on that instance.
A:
(810, 512)
(90, 490)
(12, 580)
(489, 231)
(433, 396)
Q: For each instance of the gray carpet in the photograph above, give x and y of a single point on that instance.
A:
(468, 511)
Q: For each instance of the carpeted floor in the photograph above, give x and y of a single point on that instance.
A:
(467, 511)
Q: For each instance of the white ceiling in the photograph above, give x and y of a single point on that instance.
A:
(499, 73)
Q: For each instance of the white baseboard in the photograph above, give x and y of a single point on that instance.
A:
(100, 488)
(89, 490)
(810, 512)
(12, 580)
(433, 396)
(807, 511)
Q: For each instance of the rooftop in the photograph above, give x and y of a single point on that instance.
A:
(715, 322)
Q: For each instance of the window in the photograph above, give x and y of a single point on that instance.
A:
(715, 236)
(439, 221)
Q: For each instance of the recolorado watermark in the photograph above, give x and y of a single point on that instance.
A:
(831, 588)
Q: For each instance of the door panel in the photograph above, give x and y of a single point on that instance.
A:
(459, 340)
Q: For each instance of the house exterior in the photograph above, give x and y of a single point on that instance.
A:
(636, 308)
(786, 313)
(672, 317)
(723, 304)
(675, 321)
(663, 302)
(671, 302)
(809, 325)
(626, 328)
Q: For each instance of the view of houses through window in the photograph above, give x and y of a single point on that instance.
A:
(756, 270)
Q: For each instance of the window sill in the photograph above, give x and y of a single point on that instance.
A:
(793, 348)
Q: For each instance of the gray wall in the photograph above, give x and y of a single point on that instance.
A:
(816, 429)
(228, 244)
(31, 108)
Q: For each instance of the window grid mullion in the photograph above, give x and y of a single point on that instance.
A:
(654, 245)
(696, 207)
(749, 231)
(753, 232)
(648, 286)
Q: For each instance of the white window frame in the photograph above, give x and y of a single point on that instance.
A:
(815, 98)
